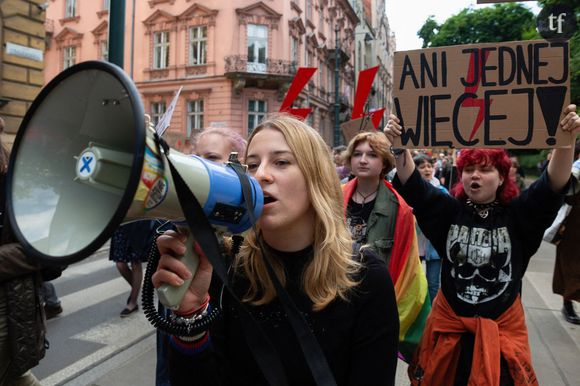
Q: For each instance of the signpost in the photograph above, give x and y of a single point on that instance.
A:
(507, 95)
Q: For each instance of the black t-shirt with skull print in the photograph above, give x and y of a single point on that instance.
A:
(484, 256)
(357, 218)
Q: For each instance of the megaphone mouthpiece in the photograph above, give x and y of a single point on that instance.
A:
(104, 168)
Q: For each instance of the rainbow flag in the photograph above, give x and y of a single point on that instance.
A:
(408, 276)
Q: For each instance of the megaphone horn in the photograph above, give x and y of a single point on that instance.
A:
(85, 161)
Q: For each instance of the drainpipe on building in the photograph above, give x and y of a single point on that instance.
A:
(337, 136)
(132, 38)
(116, 32)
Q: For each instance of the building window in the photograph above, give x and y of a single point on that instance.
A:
(106, 5)
(294, 50)
(194, 116)
(308, 9)
(256, 112)
(197, 45)
(360, 56)
(69, 56)
(70, 8)
(157, 111)
(329, 82)
(306, 55)
(310, 118)
(104, 50)
(160, 49)
(257, 47)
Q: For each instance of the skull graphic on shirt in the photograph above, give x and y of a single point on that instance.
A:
(481, 262)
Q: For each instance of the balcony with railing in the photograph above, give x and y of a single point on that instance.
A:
(337, 53)
(273, 74)
(239, 64)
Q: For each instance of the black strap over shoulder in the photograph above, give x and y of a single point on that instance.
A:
(262, 348)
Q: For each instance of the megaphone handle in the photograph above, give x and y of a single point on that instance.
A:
(171, 296)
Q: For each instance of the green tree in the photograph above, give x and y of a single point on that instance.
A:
(428, 31)
(500, 23)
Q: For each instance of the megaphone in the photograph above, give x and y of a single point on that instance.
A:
(84, 161)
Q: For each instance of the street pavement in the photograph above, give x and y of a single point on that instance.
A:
(92, 345)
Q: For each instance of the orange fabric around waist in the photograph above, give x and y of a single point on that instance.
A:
(436, 359)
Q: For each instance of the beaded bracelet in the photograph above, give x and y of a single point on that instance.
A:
(190, 321)
(191, 318)
(188, 314)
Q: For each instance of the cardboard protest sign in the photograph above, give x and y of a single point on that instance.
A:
(351, 128)
(507, 95)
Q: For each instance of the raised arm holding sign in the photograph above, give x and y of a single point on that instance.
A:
(485, 233)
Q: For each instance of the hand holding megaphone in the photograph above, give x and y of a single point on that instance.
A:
(174, 272)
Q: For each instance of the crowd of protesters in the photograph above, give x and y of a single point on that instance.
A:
(478, 227)
(345, 235)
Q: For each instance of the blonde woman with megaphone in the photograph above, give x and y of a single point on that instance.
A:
(347, 303)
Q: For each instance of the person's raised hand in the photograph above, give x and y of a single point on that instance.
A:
(570, 121)
(393, 128)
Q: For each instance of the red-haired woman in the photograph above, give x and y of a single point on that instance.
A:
(486, 235)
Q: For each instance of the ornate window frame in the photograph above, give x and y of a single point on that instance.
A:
(257, 115)
(68, 37)
(259, 14)
(198, 16)
(100, 34)
(157, 101)
(190, 130)
(161, 21)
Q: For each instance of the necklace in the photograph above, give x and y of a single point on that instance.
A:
(482, 210)
(364, 198)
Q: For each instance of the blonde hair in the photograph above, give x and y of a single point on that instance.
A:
(380, 145)
(330, 273)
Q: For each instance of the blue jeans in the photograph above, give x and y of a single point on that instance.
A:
(48, 294)
(433, 277)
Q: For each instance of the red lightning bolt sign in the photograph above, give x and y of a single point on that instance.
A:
(363, 89)
(302, 77)
(472, 102)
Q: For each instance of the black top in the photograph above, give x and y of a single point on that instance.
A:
(484, 257)
(357, 218)
(359, 337)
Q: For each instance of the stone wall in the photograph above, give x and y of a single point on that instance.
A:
(21, 73)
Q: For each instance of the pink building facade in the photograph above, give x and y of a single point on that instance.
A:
(235, 59)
